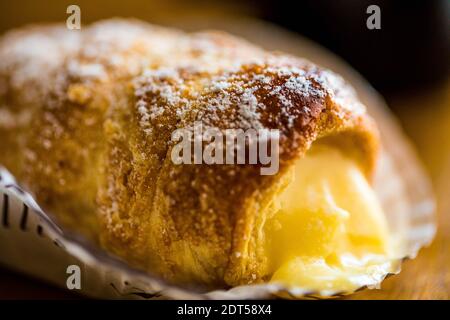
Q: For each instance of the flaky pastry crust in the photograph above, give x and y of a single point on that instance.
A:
(88, 118)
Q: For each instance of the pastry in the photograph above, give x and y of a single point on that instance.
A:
(88, 120)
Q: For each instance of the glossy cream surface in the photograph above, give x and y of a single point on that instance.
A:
(329, 231)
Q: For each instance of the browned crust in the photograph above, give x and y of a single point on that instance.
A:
(188, 223)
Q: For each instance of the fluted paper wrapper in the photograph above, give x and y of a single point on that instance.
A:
(32, 243)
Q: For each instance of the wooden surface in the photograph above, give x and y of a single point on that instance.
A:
(426, 119)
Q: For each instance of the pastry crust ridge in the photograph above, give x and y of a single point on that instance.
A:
(93, 141)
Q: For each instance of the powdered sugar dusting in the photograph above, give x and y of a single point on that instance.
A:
(340, 91)
(235, 97)
(211, 74)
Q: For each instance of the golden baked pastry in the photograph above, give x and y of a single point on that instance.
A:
(87, 119)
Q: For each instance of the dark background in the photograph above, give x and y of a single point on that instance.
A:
(409, 53)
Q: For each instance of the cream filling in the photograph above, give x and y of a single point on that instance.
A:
(329, 231)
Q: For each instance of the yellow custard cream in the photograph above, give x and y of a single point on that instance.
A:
(334, 236)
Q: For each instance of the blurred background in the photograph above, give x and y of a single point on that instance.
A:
(413, 43)
(407, 60)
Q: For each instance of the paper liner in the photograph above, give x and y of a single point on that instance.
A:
(31, 243)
